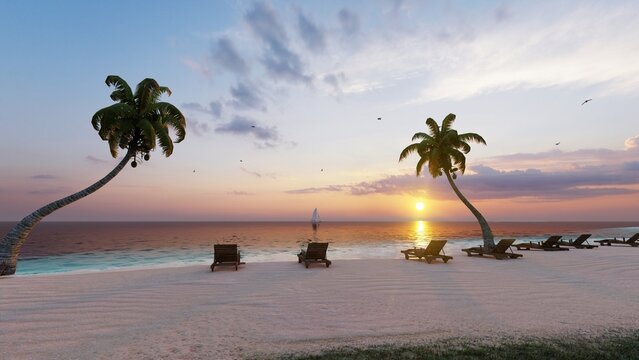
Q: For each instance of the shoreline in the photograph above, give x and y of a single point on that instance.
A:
(282, 308)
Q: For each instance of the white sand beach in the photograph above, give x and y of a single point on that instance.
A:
(270, 308)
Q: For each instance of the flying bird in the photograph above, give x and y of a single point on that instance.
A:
(193, 170)
(558, 143)
(379, 118)
(240, 160)
(322, 170)
(585, 101)
(252, 126)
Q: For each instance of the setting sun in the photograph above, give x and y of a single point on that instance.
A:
(419, 206)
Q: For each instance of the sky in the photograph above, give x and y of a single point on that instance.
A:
(282, 100)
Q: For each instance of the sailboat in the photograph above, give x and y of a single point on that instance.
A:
(315, 220)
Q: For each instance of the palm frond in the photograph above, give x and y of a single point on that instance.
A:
(122, 90)
(144, 94)
(448, 122)
(450, 137)
(433, 126)
(173, 117)
(115, 111)
(459, 159)
(472, 137)
(113, 146)
(420, 165)
(148, 134)
(465, 148)
(433, 168)
(408, 150)
(419, 136)
(164, 139)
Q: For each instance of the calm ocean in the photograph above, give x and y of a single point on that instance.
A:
(55, 247)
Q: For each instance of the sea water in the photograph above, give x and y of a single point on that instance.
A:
(56, 247)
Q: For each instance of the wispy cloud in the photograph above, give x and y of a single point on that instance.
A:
(96, 160)
(279, 60)
(254, 173)
(247, 96)
(225, 55)
(349, 21)
(43, 177)
(241, 125)
(311, 33)
(632, 143)
(199, 128)
(198, 67)
(607, 172)
(214, 108)
(239, 193)
(50, 191)
(320, 189)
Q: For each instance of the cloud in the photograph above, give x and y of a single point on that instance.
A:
(198, 128)
(631, 166)
(239, 193)
(202, 69)
(278, 59)
(214, 108)
(226, 56)
(502, 13)
(315, 190)
(584, 173)
(43, 177)
(632, 143)
(335, 81)
(310, 33)
(247, 97)
(96, 160)
(50, 191)
(254, 173)
(241, 125)
(489, 183)
(349, 21)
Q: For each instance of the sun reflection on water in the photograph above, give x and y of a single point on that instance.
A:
(422, 233)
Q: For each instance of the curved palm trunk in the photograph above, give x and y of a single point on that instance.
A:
(487, 234)
(12, 242)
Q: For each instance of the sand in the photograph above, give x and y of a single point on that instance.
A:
(271, 308)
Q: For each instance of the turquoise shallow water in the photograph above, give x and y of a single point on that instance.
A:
(56, 247)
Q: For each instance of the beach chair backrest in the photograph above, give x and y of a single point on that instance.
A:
(551, 241)
(435, 246)
(225, 252)
(502, 246)
(316, 250)
(633, 239)
(581, 238)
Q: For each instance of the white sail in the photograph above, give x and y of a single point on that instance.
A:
(315, 219)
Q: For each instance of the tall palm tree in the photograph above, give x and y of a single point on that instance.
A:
(135, 123)
(443, 149)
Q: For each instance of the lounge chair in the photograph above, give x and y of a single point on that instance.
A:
(578, 243)
(500, 251)
(430, 253)
(314, 253)
(225, 254)
(551, 244)
(632, 241)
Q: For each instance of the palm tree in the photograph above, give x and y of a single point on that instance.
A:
(444, 151)
(135, 123)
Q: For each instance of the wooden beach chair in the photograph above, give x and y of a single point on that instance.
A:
(431, 252)
(225, 254)
(578, 243)
(632, 241)
(500, 251)
(551, 244)
(314, 253)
